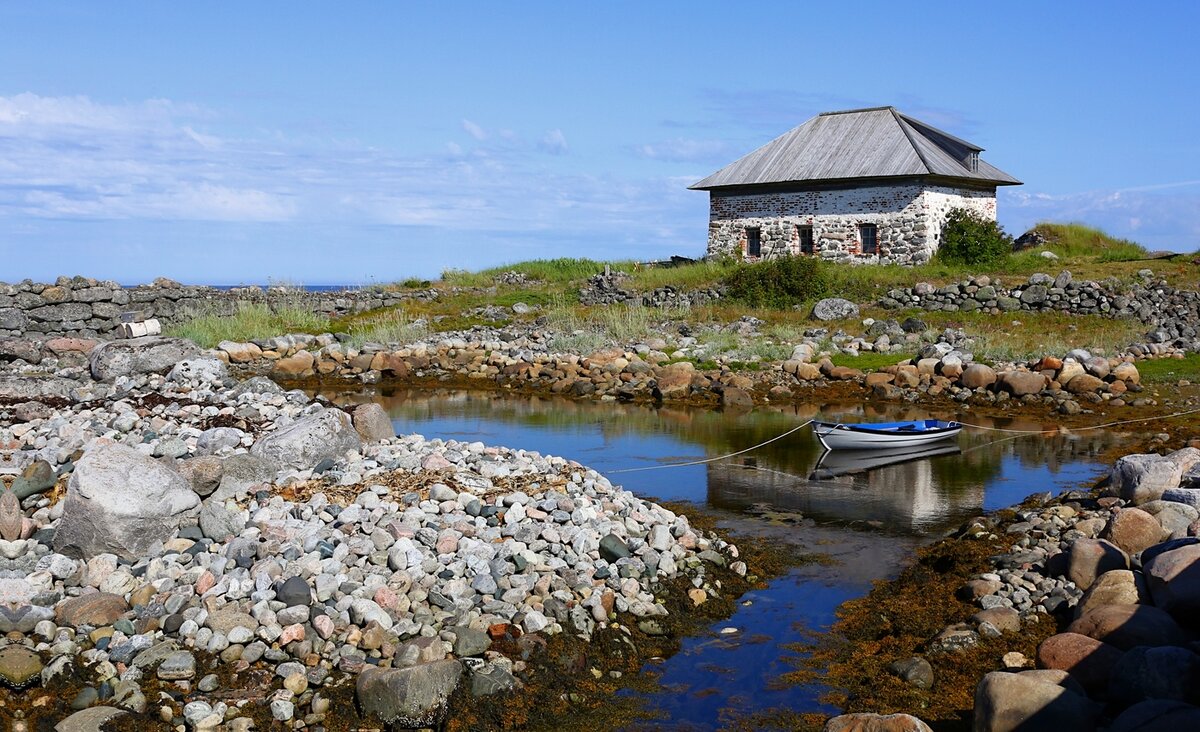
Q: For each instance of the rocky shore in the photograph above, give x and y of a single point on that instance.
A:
(1108, 579)
(182, 547)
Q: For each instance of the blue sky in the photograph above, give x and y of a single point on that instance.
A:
(356, 142)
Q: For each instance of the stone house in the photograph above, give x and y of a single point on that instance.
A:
(865, 185)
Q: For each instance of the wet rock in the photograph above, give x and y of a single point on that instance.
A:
(492, 679)
(1088, 660)
(411, 697)
(1126, 626)
(327, 434)
(1008, 702)
(915, 671)
(867, 722)
(373, 423)
(1133, 530)
(121, 501)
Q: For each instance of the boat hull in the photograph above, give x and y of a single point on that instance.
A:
(852, 437)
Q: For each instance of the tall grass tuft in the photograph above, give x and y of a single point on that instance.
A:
(388, 327)
(1079, 240)
(561, 270)
(252, 321)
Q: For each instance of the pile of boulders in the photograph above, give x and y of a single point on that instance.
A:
(212, 530)
(1121, 576)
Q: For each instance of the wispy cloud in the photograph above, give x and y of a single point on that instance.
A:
(474, 130)
(73, 158)
(554, 142)
(686, 150)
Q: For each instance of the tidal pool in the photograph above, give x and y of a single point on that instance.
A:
(866, 515)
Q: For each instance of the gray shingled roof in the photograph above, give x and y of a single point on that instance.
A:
(860, 143)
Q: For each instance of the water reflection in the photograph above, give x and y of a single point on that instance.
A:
(914, 492)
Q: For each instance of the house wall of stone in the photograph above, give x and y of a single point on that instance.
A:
(908, 219)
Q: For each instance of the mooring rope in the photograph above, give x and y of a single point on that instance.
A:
(1080, 429)
(802, 425)
(776, 438)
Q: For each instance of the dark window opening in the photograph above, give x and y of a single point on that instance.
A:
(753, 242)
(806, 240)
(868, 234)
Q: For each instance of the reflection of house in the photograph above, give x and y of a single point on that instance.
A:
(862, 185)
(904, 497)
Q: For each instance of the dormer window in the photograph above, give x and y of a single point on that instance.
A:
(972, 162)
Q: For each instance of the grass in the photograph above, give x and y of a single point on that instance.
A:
(1019, 336)
(1170, 370)
(1078, 240)
(868, 360)
(250, 322)
(561, 270)
(391, 326)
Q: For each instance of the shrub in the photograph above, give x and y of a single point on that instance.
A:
(778, 283)
(970, 239)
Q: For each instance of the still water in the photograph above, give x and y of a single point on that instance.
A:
(864, 514)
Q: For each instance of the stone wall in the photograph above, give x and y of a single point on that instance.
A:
(908, 218)
(1172, 315)
(84, 307)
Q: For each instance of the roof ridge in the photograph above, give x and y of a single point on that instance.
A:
(908, 134)
(862, 109)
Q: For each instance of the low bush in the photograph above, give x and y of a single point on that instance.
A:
(970, 239)
(779, 283)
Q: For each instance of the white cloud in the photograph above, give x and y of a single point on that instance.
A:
(474, 130)
(554, 142)
(685, 150)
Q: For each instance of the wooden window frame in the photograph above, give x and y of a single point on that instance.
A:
(754, 241)
(812, 239)
(862, 239)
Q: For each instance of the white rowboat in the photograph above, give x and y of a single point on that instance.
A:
(837, 436)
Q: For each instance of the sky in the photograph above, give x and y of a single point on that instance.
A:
(355, 143)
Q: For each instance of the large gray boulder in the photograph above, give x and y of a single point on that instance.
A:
(408, 697)
(1144, 477)
(834, 308)
(122, 502)
(151, 354)
(327, 434)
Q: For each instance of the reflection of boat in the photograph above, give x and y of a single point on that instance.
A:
(848, 462)
(837, 436)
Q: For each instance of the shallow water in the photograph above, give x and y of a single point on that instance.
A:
(867, 519)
